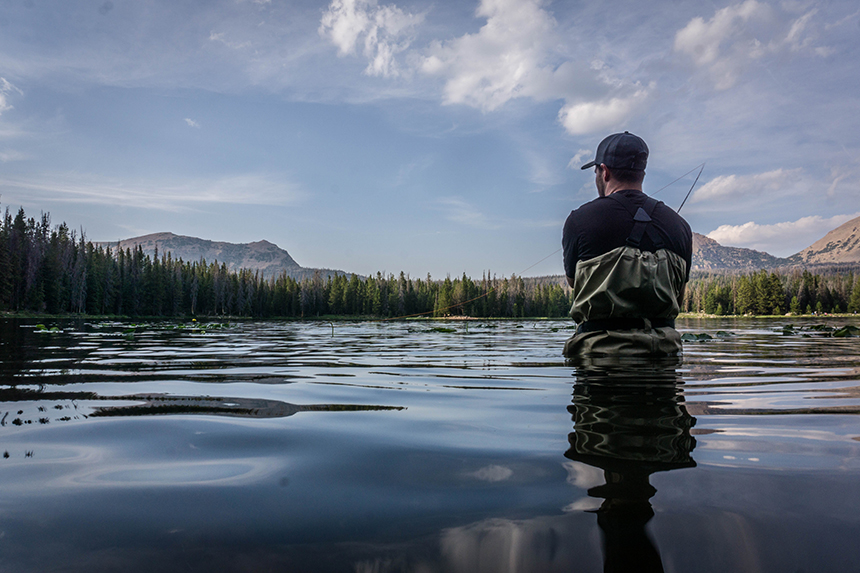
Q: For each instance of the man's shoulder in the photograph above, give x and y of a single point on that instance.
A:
(669, 214)
(595, 205)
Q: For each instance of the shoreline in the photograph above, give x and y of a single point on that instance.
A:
(367, 318)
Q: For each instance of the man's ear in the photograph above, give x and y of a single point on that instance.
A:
(605, 174)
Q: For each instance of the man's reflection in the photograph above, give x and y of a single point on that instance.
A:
(630, 421)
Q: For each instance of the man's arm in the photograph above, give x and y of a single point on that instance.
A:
(569, 247)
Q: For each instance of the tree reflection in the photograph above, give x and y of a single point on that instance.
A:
(630, 421)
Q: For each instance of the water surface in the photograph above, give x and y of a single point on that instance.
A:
(424, 446)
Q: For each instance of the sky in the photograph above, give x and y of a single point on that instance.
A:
(426, 137)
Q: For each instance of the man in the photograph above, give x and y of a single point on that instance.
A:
(627, 257)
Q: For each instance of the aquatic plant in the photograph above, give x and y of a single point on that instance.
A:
(693, 337)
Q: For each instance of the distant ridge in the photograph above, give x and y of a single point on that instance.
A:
(841, 245)
(839, 249)
(709, 255)
(262, 256)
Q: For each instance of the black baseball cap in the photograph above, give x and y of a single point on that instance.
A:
(621, 151)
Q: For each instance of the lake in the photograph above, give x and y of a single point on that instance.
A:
(425, 446)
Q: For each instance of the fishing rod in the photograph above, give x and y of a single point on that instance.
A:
(700, 167)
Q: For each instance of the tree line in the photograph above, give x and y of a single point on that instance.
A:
(53, 269)
(797, 291)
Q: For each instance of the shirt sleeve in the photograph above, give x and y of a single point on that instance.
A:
(688, 247)
(570, 246)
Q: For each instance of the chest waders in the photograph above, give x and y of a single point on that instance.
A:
(626, 300)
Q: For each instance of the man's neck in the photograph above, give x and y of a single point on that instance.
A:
(615, 187)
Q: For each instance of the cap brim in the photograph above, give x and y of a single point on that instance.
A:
(589, 164)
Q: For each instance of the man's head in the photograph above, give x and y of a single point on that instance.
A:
(621, 158)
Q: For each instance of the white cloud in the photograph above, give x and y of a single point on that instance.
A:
(11, 155)
(787, 237)
(192, 123)
(460, 211)
(582, 476)
(221, 37)
(506, 58)
(5, 89)
(739, 34)
(492, 473)
(518, 54)
(386, 32)
(774, 184)
(578, 160)
(844, 180)
(543, 171)
(703, 41)
(582, 504)
(591, 116)
(841, 22)
(249, 189)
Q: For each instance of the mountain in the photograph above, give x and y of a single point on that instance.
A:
(841, 245)
(709, 255)
(261, 256)
(838, 247)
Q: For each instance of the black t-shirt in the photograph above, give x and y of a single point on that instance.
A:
(604, 224)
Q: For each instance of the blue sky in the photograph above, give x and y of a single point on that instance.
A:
(441, 137)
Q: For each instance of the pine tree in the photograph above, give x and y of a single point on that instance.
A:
(854, 301)
(745, 299)
(795, 305)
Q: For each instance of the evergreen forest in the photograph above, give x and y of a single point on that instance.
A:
(54, 270)
(57, 271)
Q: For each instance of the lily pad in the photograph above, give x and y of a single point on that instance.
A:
(691, 337)
(846, 331)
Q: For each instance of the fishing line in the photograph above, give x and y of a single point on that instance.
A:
(699, 166)
(691, 188)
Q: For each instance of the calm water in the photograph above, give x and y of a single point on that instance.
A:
(372, 447)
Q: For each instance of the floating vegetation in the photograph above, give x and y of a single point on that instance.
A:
(41, 328)
(693, 337)
(846, 331)
(129, 330)
(821, 330)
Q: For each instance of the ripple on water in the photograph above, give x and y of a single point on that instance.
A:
(441, 445)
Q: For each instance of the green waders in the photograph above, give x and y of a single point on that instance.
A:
(626, 300)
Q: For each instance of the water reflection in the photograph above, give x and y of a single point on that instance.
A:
(28, 406)
(629, 421)
(172, 450)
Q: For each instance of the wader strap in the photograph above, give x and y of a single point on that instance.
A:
(642, 221)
